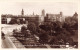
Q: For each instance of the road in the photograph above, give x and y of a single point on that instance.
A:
(6, 43)
(7, 29)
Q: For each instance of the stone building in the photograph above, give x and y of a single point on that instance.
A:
(22, 19)
(43, 12)
(54, 17)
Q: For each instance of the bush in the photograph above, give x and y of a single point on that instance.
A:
(13, 21)
(32, 27)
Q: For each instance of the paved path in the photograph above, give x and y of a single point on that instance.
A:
(6, 43)
(17, 43)
(11, 42)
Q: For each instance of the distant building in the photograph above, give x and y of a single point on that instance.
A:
(43, 12)
(54, 17)
(22, 19)
(33, 18)
(37, 19)
(3, 19)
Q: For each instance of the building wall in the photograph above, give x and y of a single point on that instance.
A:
(52, 17)
(34, 20)
(7, 18)
(3, 19)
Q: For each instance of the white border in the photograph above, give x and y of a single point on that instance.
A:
(77, 1)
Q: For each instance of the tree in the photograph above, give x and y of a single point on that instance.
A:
(43, 38)
(65, 36)
(52, 40)
(58, 31)
(32, 27)
(45, 27)
(13, 21)
(23, 28)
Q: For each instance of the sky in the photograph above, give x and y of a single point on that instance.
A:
(14, 8)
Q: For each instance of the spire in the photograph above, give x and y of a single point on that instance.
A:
(22, 12)
(61, 14)
(33, 13)
(75, 14)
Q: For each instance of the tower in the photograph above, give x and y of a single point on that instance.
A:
(33, 13)
(43, 12)
(22, 12)
(62, 18)
(61, 14)
(75, 14)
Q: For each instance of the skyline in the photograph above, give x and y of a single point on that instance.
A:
(15, 8)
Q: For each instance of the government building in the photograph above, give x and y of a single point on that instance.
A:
(37, 19)
(22, 19)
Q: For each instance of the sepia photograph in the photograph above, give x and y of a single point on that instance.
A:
(39, 25)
